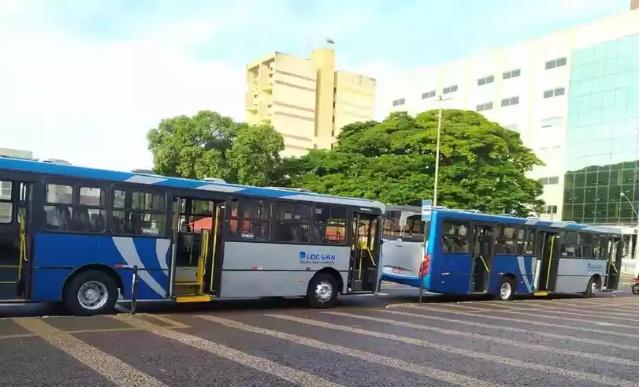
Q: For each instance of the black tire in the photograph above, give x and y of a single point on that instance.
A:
(635, 289)
(506, 289)
(317, 291)
(96, 282)
(589, 290)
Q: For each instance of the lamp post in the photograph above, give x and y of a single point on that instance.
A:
(623, 195)
(438, 147)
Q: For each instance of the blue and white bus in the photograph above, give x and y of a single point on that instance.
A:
(77, 235)
(473, 253)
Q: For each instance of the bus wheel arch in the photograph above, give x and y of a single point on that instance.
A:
(323, 288)
(594, 284)
(91, 289)
(507, 287)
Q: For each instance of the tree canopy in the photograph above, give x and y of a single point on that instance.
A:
(210, 145)
(482, 165)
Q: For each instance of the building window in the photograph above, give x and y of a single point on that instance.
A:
(549, 180)
(510, 101)
(450, 89)
(549, 209)
(558, 62)
(428, 94)
(484, 106)
(485, 80)
(554, 92)
(512, 74)
(398, 102)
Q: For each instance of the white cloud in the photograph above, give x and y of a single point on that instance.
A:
(92, 103)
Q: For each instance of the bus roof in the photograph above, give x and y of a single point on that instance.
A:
(33, 166)
(507, 219)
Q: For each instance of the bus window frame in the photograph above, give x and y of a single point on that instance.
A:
(468, 235)
(168, 210)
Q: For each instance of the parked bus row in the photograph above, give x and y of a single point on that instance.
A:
(89, 237)
(472, 253)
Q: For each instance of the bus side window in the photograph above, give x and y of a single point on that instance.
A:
(569, 245)
(329, 225)
(585, 245)
(455, 238)
(59, 206)
(505, 241)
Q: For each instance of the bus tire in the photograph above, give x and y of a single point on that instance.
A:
(506, 289)
(89, 293)
(322, 291)
(591, 288)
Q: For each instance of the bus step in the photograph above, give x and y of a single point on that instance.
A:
(200, 298)
(541, 293)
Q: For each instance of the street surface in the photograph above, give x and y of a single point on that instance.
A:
(385, 339)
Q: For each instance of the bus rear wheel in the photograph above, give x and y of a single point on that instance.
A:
(322, 291)
(506, 289)
(593, 287)
(90, 292)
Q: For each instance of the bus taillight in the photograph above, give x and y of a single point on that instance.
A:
(425, 266)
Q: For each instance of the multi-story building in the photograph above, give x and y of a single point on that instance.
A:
(306, 99)
(573, 97)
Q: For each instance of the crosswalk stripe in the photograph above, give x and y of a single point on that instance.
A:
(583, 320)
(502, 318)
(498, 340)
(440, 375)
(462, 352)
(169, 321)
(598, 310)
(258, 363)
(499, 307)
(106, 365)
(509, 329)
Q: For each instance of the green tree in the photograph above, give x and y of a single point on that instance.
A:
(482, 165)
(210, 145)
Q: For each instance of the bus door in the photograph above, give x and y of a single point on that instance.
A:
(196, 252)
(14, 242)
(615, 253)
(481, 258)
(548, 262)
(364, 258)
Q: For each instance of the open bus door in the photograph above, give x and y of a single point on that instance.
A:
(481, 258)
(364, 258)
(613, 271)
(547, 263)
(15, 263)
(196, 252)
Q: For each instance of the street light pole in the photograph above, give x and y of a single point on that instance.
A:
(623, 195)
(438, 151)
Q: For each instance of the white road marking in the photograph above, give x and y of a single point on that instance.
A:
(258, 363)
(498, 340)
(509, 329)
(106, 365)
(531, 322)
(440, 375)
(462, 352)
(499, 307)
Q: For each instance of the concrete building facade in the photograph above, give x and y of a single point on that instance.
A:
(538, 88)
(306, 99)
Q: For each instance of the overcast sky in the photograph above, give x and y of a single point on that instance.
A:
(85, 80)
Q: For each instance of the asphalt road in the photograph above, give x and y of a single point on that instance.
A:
(386, 339)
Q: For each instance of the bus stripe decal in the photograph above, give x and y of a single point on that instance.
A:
(419, 369)
(127, 250)
(267, 366)
(106, 365)
(607, 380)
(526, 280)
(162, 246)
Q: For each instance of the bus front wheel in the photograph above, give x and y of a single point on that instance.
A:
(593, 287)
(322, 291)
(506, 289)
(90, 292)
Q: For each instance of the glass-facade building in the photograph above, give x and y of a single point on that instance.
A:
(602, 156)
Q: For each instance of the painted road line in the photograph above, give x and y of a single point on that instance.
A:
(509, 329)
(493, 339)
(173, 324)
(258, 363)
(106, 365)
(17, 336)
(462, 352)
(418, 369)
(500, 308)
(579, 308)
(517, 320)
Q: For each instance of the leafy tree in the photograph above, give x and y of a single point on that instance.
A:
(482, 165)
(210, 145)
